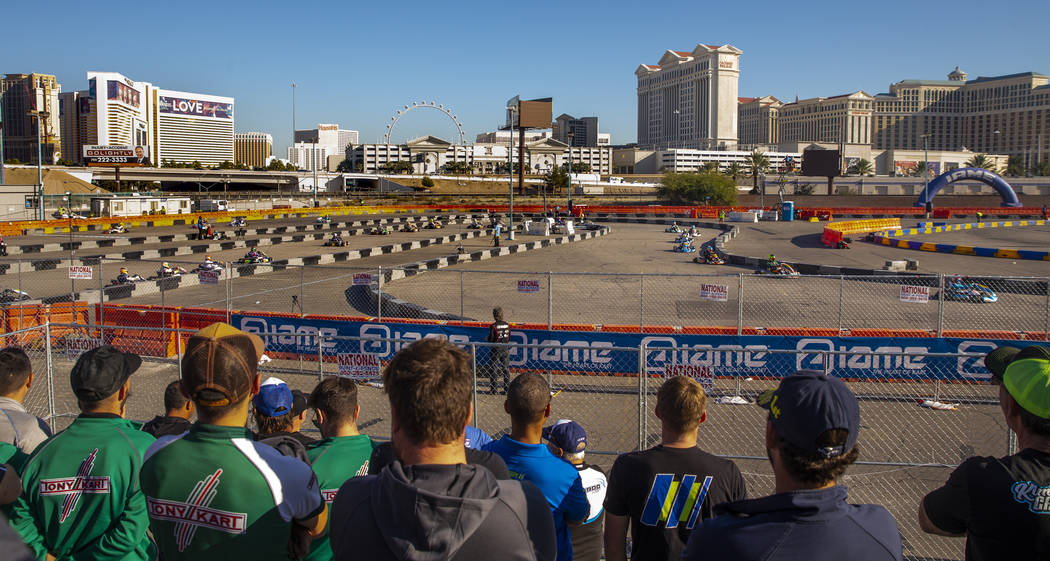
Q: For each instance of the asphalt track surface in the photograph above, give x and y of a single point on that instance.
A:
(895, 430)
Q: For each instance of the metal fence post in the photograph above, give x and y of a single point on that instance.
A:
(474, 377)
(842, 283)
(229, 290)
(379, 296)
(462, 315)
(302, 282)
(740, 304)
(50, 374)
(550, 301)
(101, 304)
(940, 305)
(641, 304)
(641, 397)
(320, 358)
(828, 357)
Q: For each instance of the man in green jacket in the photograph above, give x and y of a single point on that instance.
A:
(343, 453)
(215, 493)
(81, 497)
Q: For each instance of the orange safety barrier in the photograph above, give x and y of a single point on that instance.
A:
(122, 321)
(873, 332)
(975, 334)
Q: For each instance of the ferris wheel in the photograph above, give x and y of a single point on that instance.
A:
(424, 105)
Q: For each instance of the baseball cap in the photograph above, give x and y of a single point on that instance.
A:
(809, 403)
(997, 360)
(1027, 378)
(274, 399)
(567, 435)
(100, 372)
(220, 364)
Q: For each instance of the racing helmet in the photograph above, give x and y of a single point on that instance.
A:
(207, 257)
(772, 257)
(165, 265)
(124, 270)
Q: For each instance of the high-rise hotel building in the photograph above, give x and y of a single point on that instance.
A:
(252, 149)
(689, 99)
(20, 94)
(172, 125)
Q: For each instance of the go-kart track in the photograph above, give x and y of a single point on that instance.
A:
(607, 291)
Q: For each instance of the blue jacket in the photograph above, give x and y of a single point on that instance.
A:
(557, 479)
(816, 525)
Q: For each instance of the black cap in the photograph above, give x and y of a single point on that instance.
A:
(299, 401)
(100, 372)
(997, 360)
(806, 405)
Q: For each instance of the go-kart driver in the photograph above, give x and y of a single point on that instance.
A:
(336, 238)
(255, 254)
(475, 223)
(709, 253)
(771, 262)
(123, 277)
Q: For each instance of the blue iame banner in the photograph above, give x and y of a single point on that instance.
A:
(617, 353)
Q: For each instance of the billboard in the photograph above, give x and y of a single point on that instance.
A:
(195, 107)
(531, 114)
(905, 167)
(120, 156)
(119, 91)
(824, 163)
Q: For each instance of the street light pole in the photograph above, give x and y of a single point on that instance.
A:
(293, 113)
(510, 175)
(570, 136)
(69, 213)
(39, 161)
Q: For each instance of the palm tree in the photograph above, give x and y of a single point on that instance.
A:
(1015, 166)
(709, 167)
(920, 169)
(756, 163)
(734, 170)
(980, 161)
(863, 167)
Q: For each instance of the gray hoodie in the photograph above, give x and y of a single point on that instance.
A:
(17, 427)
(431, 512)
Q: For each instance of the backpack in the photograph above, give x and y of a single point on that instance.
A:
(287, 446)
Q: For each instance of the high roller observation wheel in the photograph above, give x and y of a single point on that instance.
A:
(428, 105)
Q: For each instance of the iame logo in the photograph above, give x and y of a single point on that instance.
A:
(1028, 493)
(303, 338)
(857, 357)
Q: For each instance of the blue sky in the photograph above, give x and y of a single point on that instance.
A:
(357, 62)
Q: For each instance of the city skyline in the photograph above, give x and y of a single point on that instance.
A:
(359, 72)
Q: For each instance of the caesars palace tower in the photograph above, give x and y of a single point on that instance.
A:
(689, 99)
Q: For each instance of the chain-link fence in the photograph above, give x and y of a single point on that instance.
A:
(907, 448)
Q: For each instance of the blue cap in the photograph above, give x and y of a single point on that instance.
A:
(274, 398)
(567, 435)
(476, 438)
(806, 405)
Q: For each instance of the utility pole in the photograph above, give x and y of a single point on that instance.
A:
(570, 136)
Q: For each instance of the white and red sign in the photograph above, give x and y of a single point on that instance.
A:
(359, 366)
(702, 374)
(80, 272)
(76, 346)
(915, 294)
(362, 279)
(209, 277)
(528, 286)
(714, 292)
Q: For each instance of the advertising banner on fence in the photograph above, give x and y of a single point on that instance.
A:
(359, 366)
(76, 346)
(364, 279)
(714, 292)
(915, 294)
(600, 352)
(702, 374)
(528, 286)
(79, 272)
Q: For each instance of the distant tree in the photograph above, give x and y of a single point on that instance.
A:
(1015, 166)
(920, 169)
(556, 178)
(980, 161)
(13, 161)
(226, 164)
(804, 189)
(1041, 169)
(714, 188)
(862, 167)
(709, 167)
(458, 168)
(64, 162)
(427, 182)
(197, 164)
(757, 163)
(400, 166)
(344, 166)
(734, 170)
(581, 167)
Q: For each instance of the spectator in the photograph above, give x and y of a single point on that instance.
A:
(473, 439)
(274, 416)
(999, 504)
(213, 493)
(177, 412)
(568, 441)
(499, 355)
(497, 230)
(10, 489)
(300, 407)
(18, 427)
(810, 439)
(529, 405)
(640, 482)
(343, 453)
(429, 504)
(81, 490)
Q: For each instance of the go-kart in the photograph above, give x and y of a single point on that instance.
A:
(168, 272)
(207, 266)
(334, 242)
(128, 279)
(588, 225)
(434, 225)
(966, 291)
(323, 220)
(684, 238)
(684, 247)
(410, 227)
(65, 215)
(214, 235)
(258, 259)
(777, 270)
(9, 295)
(709, 258)
(674, 229)
(475, 224)
(238, 222)
(119, 228)
(380, 231)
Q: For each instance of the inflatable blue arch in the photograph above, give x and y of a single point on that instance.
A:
(982, 175)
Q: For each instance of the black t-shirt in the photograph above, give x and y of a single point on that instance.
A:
(499, 332)
(383, 455)
(688, 481)
(1002, 504)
